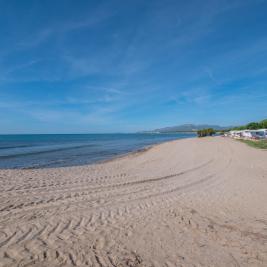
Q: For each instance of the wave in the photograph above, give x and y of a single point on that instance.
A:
(17, 146)
(26, 153)
(49, 151)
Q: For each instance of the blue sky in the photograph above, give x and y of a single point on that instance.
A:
(125, 66)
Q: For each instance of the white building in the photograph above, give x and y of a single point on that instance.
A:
(261, 133)
(258, 134)
(236, 134)
(249, 134)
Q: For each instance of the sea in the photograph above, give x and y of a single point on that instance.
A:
(59, 150)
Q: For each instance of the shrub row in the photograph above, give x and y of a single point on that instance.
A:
(253, 126)
(205, 132)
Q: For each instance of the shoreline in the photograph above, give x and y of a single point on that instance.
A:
(183, 202)
(136, 152)
(59, 152)
(101, 161)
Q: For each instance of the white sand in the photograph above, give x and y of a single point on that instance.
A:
(193, 202)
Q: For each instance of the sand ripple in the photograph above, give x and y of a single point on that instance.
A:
(192, 202)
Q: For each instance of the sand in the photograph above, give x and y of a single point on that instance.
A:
(191, 202)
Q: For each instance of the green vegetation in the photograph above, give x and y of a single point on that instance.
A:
(257, 144)
(205, 132)
(253, 126)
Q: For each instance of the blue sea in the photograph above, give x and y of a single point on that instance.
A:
(58, 150)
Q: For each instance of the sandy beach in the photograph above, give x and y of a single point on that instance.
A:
(190, 202)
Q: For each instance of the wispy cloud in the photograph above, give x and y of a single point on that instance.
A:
(96, 16)
(127, 63)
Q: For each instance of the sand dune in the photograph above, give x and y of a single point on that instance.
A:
(191, 202)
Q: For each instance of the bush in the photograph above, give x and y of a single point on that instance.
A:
(205, 132)
(263, 124)
(253, 126)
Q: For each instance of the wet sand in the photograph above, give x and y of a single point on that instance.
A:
(190, 202)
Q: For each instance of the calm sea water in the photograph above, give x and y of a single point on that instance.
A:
(57, 150)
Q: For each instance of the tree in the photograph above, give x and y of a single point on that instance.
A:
(210, 131)
(263, 124)
(205, 132)
(253, 126)
(240, 128)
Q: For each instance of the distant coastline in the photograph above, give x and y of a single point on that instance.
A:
(188, 128)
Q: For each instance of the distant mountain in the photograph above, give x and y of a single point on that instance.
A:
(188, 128)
